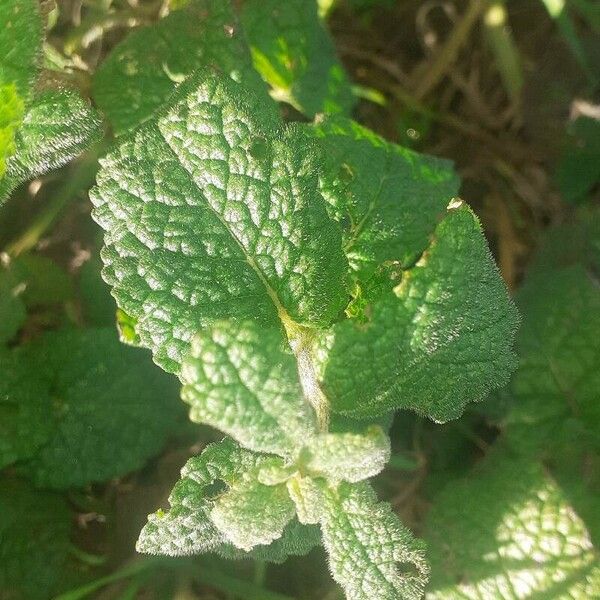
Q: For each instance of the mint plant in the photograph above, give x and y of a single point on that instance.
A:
(254, 270)
(297, 279)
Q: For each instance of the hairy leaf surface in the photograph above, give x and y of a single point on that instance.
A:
(56, 128)
(371, 554)
(20, 45)
(388, 199)
(212, 211)
(441, 339)
(202, 518)
(239, 379)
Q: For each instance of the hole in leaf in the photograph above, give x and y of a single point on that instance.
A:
(258, 149)
(407, 568)
(215, 488)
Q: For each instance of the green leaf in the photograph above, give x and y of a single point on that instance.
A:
(26, 415)
(114, 409)
(20, 45)
(508, 532)
(251, 513)
(441, 339)
(188, 527)
(212, 211)
(556, 385)
(579, 166)
(294, 54)
(576, 242)
(347, 456)
(371, 554)
(35, 527)
(388, 199)
(97, 305)
(143, 70)
(42, 281)
(57, 127)
(240, 380)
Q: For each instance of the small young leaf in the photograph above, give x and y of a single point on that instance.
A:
(250, 513)
(197, 501)
(508, 532)
(213, 212)
(57, 127)
(295, 55)
(239, 379)
(185, 529)
(371, 554)
(442, 339)
(143, 70)
(307, 496)
(348, 456)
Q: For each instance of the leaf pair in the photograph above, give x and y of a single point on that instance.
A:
(364, 539)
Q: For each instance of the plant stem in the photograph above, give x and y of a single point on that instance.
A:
(124, 573)
(427, 76)
(506, 53)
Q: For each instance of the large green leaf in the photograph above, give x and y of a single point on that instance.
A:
(441, 339)
(26, 413)
(114, 410)
(295, 55)
(212, 211)
(509, 533)
(144, 69)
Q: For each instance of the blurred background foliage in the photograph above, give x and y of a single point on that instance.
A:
(510, 91)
